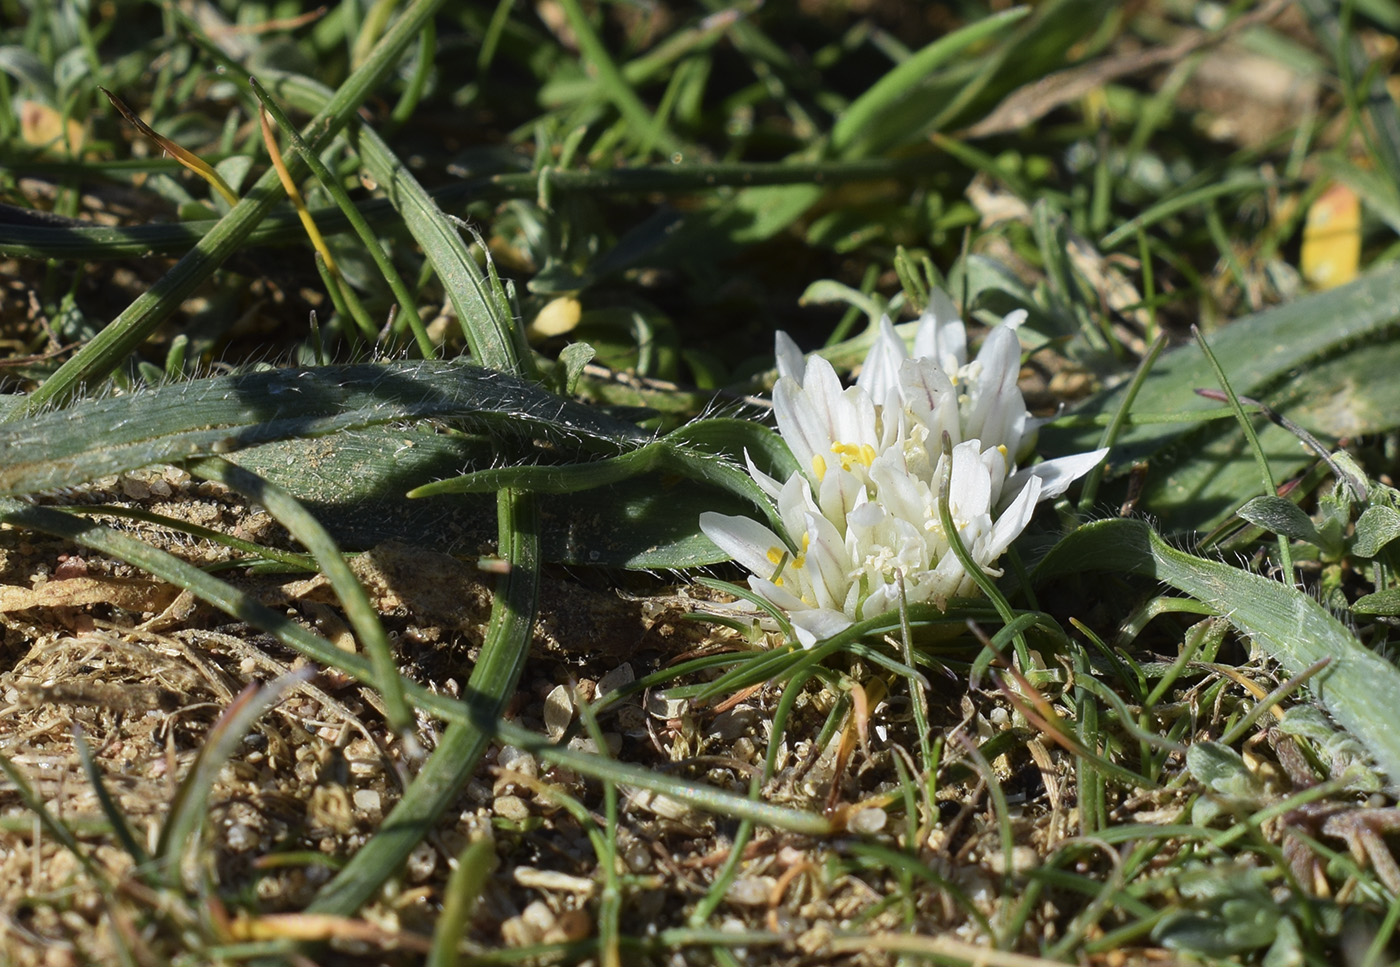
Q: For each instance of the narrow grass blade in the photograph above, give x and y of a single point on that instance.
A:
(289, 186)
(120, 827)
(59, 238)
(114, 344)
(1285, 557)
(1358, 688)
(288, 512)
(187, 811)
(648, 130)
(189, 159)
(407, 305)
(664, 455)
(899, 83)
(492, 684)
(459, 900)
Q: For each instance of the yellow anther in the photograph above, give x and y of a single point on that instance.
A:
(850, 453)
(818, 466)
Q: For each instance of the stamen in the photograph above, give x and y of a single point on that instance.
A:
(851, 453)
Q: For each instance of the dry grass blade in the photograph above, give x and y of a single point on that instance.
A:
(187, 158)
(294, 193)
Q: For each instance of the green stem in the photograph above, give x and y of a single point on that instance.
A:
(492, 684)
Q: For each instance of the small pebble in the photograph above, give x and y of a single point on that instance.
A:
(511, 807)
(518, 760)
(421, 863)
(558, 711)
(868, 821)
(615, 679)
(1023, 859)
(750, 891)
(552, 881)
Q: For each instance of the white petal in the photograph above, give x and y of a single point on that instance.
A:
(1055, 475)
(815, 624)
(790, 360)
(941, 583)
(928, 395)
(880, 371)
(744, 539)
(903, 496)
(795, 503)
(997, 409)
(769, 485)
(827, 562)
(800, 425)
(837, 494)
(941, 335)
(1012, 521)
(779, 596)
(866, 514)
(970, 484)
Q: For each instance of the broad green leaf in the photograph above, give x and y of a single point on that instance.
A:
(355, 483)
(1310, 359)
(1280, 516)
(1385, 603)
(1377, 526)
(220, 415)
(325, 435)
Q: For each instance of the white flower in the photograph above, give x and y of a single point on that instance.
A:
(864, 510)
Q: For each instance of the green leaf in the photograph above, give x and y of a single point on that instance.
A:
(830, 291)
(1358, 688)
(1222, 770)
(25, 66)
(223, 414)
(1377, 526)
(573, 358)
(1280, 516)
(1385, 603)
(1199, 470)
(868, 115)
(355, 483)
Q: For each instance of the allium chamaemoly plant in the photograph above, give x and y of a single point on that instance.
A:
(860, 521)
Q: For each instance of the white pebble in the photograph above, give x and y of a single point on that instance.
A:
(751, 891)
(558, 711)
(615, 679)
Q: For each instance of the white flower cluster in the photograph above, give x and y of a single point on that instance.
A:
(864, 510)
